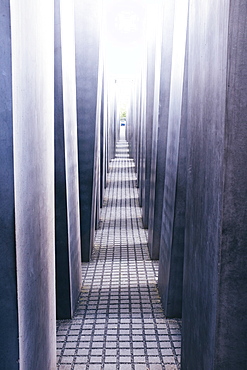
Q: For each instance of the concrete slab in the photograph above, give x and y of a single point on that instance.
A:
(172, 229)
(159, 142)
(9, 346)
(32, 30)
(215, 277)
(154, 14)
(87, 23)
(68, 243)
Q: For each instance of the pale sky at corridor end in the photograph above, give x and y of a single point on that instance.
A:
(124, 30)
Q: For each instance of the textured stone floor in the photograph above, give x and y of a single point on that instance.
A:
(119, 322)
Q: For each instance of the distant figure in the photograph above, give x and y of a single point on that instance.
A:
(123, 129)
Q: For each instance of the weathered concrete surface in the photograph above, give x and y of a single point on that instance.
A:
(111, 117)
(87, 58)
(138, 131)
(142, 140)
(68, 247)
(132, 126)
(102, 147)
(159, 139)
(171, 242)
(9, 347)
(97, 160)
(231, 330)
(136, 123)
(105, 132)
(32, 29)
(153, 12)
(215, 276)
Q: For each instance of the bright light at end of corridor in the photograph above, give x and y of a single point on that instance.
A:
(124, 36)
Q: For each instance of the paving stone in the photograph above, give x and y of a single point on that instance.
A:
(81, 359)
(171, 367)
(125, 359)
(138, 359)
(125, 367)
(67, 360)
(155, 367)
(69, 352)
(153, 359)
(111, 359)
(109, 367)
(82, 352)
(111, 352)
(140, 367)
(96, 351)
(71, 345)
(95, 359)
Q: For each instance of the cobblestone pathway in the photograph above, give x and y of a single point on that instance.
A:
(119, 323)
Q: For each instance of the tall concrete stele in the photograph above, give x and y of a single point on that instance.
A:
(27, 263)
(172, 227)
(214, 334)
(67, 213)
(87, 32)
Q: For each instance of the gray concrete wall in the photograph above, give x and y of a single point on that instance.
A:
(142, 140)
(105, 125)
(231, 330)
(136, 109)
(215, 277)
(206, 110)
(9, 346)
(159, 139)
(68, 247)
(154, 140)
(87, 58)
(102, 146)
(138, 129)
(132, 131)
(152, 22)
(97, 150)
(32, 28)
(172, 229)
(111, 117)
